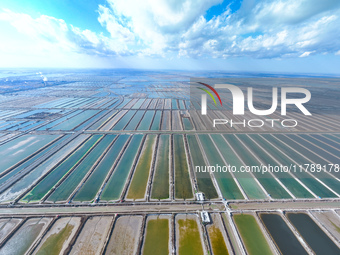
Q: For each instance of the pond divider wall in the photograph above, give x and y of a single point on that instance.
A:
(172, 168)
(54, 167)
(324, 229)
(229, 244)
(71, 170)
(88, 174)
(236, 234)
(74, 238)
(14, 230)
(36, 163)
(109, 174)
(132, 170)
(266, 234)
(141, 236)
(152, 169)
(29, 157)
(172, 235)
(37, 242)
(206, 239)
(109, 234)
(190, 166)
(297, 234)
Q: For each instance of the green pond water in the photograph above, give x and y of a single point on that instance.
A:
(160, 185)
(124, 120)
(134, 121)
(246, 180)
(156, 121)
(22, 239)
(282, 235)
(187, 124)
(174, 105)
(182, 179)
(16, 150)
(166, 121)
(326, 178)
(204, 181)
(115, 185)
(146, 121)
(157, 237)
(54, 243)
(66, 188)
(217, 241)
(251, 234)
(29, 161)
(76, 120)
(52, 178)
(35, 174)
(312, 234)
(141, 175)
(138, 104)
(91, 187)
(100, 122)
(266, 179)
(293, 185)
(189, 237)
(225, 180)
(304, 177)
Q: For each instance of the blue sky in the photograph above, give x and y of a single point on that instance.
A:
(299, 36)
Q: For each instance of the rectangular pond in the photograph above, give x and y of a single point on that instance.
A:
(226, 183)
(125, 235)
(93, 235)
(217, 236)
(90, 188)
(160, 184)
(251, 234)
(182, 178)
(39, 191)
(114, 187)
(140, 176)
(22, 147)
(276, 157)
(146, 121)
(157, 235)
(156, 121)
(204, 181)
(313, 234)
(65, 189)
(188, 235)
(283, 237)
(58, 237)
(35, 174)
(25, 236)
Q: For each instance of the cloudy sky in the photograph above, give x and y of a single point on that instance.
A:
(301, 36)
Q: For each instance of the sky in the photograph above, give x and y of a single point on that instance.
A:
(284, 36)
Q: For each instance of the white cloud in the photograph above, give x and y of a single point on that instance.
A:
(166, 28)
(157, 25)
(50, 32)
(305, 54)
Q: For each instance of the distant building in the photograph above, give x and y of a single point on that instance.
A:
(185, 114)
(199, 196)
(205, 217)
